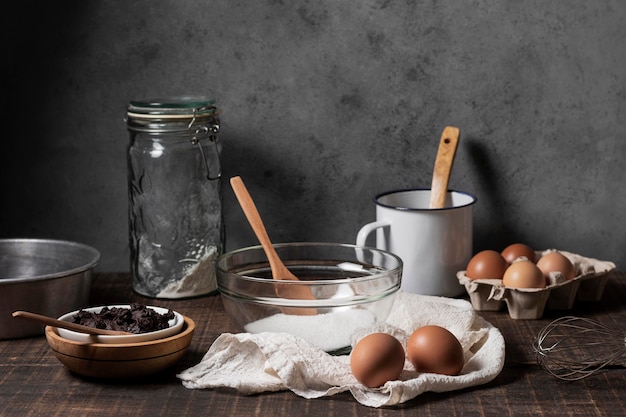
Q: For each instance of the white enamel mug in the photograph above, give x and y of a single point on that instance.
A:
(434, 244)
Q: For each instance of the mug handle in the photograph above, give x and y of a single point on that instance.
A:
(367, 229)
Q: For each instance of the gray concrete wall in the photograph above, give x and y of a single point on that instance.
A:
(324, 105)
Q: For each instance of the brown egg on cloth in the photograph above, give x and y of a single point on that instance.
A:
(517, 250)
(486, 264)
(376, 359)
(556, 262)
(523, 274)
(435, 349)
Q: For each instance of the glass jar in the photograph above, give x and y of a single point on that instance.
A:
(175, 204)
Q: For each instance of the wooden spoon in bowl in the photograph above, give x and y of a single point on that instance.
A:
(443, 166)
(279, 270)
(66, 324)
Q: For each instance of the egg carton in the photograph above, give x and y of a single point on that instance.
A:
(530, 303)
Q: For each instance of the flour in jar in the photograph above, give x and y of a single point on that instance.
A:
(199, 278)
(329, 332)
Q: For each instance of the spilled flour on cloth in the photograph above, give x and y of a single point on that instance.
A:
(270, 361)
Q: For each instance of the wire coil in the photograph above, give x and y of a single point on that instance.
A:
(572, 348)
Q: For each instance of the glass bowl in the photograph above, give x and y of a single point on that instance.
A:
(345, 287)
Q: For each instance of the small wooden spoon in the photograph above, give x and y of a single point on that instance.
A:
(443, 166)
(66, 324)
(279, 270)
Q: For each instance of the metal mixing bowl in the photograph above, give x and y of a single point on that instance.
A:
(45, 276)
(351, 287)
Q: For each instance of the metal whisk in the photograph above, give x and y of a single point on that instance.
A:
(572, 348)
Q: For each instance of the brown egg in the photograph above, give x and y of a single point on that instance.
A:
(376, 359)
(435, 349)
(556, 262)
(514, 251)
(523, 274)
(487, 264)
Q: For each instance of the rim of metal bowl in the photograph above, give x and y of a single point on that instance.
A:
(398, 269)
(94, 258)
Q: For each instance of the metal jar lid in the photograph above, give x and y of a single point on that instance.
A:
(175, 114)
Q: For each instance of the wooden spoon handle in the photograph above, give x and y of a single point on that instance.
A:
(443, 166)
(66, 324)
(251, 212)
(279, 271)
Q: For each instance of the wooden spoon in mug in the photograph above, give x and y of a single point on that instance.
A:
(66, 324)
(443, 166)
(279, 270)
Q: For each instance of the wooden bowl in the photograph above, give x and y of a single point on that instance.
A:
(121, 360)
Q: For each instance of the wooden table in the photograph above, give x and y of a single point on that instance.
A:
(33, 382)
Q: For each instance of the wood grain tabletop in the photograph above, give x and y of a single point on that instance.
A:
(34, 383)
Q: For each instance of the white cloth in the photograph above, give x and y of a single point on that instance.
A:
(255, 363)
